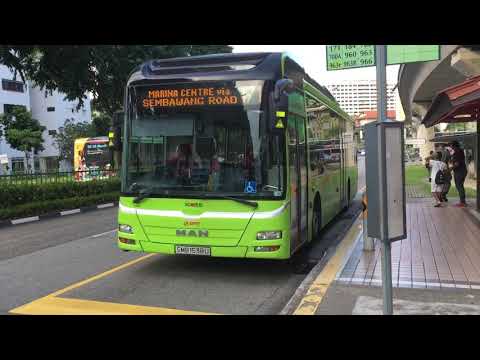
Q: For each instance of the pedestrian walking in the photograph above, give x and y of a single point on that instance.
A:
(445, 157)
(438, 177)
(427, 165)
(459, 168)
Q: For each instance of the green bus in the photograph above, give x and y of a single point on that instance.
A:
(231, 155)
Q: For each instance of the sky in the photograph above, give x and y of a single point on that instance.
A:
(313, 59)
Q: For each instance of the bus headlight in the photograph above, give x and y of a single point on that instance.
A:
(269, 235)
(125, 229)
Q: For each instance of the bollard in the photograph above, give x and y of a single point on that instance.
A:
(368, 242)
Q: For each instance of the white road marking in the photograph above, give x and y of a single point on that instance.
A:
(105, 233)
(105, 205)
(24, 220)
(69, 212)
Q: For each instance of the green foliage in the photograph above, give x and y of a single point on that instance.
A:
(64, 139)
(15, 195)
(21, 131)
(101, 124)
(55, 205)
(101, 69)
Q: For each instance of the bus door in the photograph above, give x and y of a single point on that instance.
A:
(343, 181)
(297, 159)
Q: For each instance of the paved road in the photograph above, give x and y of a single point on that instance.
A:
(37, 259)
(72, 252)
(28, 238)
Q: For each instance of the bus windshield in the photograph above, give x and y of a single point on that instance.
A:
(97, 154)
(196, 139)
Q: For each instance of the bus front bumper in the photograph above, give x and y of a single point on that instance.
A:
(216, 251)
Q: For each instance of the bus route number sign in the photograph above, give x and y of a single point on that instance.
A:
(341, 57)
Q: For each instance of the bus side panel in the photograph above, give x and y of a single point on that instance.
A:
(351, 160)
(325, 158)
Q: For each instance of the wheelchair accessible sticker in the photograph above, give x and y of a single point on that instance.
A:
(250, 187)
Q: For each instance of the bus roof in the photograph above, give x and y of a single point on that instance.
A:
(210, 67)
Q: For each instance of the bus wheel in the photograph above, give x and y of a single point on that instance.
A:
(317, 220)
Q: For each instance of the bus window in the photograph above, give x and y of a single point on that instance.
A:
(319, 125)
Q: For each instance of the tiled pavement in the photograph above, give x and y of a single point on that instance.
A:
(442, 250)
(415, 191)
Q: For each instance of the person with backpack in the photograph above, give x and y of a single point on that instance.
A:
(427, 165)
(448, 173)
(438, 177)
(459, 171)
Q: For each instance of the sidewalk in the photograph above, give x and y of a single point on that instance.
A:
(436, 270)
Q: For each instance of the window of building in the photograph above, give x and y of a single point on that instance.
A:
(52, 132)
(12, 85)
(51, 163)
(18, 166)
(7, 108)
(36, 164)
(51, 108)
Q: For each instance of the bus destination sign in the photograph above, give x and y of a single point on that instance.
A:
(341, 57)
(189, 96)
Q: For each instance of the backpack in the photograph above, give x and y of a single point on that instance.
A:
(440, 178)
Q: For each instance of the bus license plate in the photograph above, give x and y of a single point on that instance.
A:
(192, 250)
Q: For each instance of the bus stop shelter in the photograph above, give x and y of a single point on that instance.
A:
(455, 104)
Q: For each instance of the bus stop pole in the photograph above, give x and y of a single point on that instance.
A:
(477, 171)
(386, 253)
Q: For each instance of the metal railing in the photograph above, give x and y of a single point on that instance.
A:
(57, 177)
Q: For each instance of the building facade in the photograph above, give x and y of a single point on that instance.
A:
(359, 96)
(51, 111)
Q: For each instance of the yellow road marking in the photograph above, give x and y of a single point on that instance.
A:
(101, 275)
(52, 305)
(314, 296)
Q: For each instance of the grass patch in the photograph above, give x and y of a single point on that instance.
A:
(417, 175)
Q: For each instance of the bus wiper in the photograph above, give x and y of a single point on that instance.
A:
(143, 194)
(253, 204)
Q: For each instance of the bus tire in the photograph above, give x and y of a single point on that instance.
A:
(317, 218)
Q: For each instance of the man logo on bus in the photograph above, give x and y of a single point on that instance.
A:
(192, 233)
(193, 204)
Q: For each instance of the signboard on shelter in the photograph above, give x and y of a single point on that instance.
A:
(402, 54)
(341, 57)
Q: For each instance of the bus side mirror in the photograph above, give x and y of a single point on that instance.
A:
(280, 99)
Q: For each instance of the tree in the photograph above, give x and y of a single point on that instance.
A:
(102, 70)
(101, 124)
(22, 132)
(64, 139)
